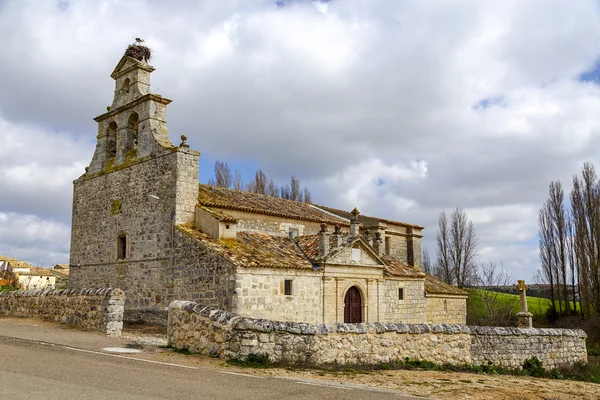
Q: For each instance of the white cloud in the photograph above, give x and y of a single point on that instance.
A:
(400, 108)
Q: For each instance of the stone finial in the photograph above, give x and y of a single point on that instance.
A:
(323, 241)
(377, 243)
(337, 237)
(107, 108)
(524, 317)
(184, 142)
(354, 224)
(367, 235)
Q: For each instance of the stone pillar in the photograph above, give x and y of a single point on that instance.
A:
(377, 243)
(323, 241)
(337, 238)
(524, 317)
(354, 224)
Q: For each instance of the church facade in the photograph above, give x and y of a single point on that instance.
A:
(143, 223)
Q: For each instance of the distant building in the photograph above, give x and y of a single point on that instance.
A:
(141, 222)
(29, 277)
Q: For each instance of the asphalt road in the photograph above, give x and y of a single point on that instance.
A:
(31, 369)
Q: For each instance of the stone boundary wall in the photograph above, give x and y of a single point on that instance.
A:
(92, 309)
(219, 333)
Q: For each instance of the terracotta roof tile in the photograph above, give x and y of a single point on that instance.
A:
(220, 215)
(365, 219)
(435, 286)
(212, 196)
(399, 268)
(37, 271)
(255, 250)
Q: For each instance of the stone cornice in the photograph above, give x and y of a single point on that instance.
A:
(143, 99)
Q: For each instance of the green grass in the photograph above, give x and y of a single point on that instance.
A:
(7, 288)
(536, 305)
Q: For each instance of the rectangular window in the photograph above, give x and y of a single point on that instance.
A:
(401, 294)
(288, 287)
(388, 245)
(293, 232)
(122, 247)
(356, 255)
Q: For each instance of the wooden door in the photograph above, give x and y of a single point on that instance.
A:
(353, 306)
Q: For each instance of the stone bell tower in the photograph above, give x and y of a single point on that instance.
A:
(137, 187)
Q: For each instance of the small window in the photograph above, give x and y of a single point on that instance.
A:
(445, 306)
(226, 226)
(388, 245)
(356, 255)
(401, 294)
(122, 247)
(293, 232)
(288, 287)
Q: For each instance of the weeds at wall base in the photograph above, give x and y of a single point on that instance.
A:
(531, 367)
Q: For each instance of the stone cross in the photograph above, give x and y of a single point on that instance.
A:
(524, 317)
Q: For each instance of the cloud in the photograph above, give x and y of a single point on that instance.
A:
(402, 109)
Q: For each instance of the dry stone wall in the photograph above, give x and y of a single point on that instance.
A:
(92, 309)
(218, 333)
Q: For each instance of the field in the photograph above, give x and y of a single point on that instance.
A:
(538, 306)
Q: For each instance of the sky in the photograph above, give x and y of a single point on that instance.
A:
(400, 108)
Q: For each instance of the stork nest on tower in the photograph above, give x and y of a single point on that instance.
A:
(139, 52)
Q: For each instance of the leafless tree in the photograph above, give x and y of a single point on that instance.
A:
(307, 195)
(222, 175)
(443, 265)
(427, 267)
(259, 184)
(238, 183)
(456, 248)
(547, 251)
(499, 309)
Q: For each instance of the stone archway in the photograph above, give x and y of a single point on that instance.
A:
(353, 306)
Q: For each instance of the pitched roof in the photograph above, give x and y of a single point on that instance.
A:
(365, 219)
(435, 286)
(15, 263)
(229, 199)
(255, 250)
(310, 246)
(37, 271)
(220, 215)
(398, 268)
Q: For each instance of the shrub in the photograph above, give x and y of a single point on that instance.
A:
(533, 366)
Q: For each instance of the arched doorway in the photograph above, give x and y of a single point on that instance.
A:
(353, 306)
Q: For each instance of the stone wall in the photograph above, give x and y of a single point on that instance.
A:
(411, 309)
(223, 334)
(93, 309)
(446, 309)
(119, 202)
(260, 292)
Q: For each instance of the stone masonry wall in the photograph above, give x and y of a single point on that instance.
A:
(118, 202)
(223, 334)
(260, 293)
(412, 309)
(92, 309)
(446, 309)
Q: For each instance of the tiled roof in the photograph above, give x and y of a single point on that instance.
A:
(310, 246)
(229, 199)
(37, 271)
(15, 263)
(220, 215)
(365, 219)
(255, 250)
(399, 268)
(435, 286)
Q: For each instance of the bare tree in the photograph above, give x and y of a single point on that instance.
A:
(456, 248)
(443, 265)
(259, 184)
(238, 183)
(295, 192)
(307, 195)
(547, 250)
(499, 309)
(427, 267)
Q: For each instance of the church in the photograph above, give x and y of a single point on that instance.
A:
(142, 222)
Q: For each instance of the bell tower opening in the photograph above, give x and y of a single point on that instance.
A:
(111, 141)
(132, 134)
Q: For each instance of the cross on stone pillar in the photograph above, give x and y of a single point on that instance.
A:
(524, 317)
